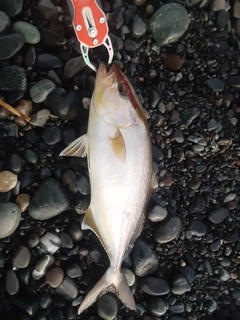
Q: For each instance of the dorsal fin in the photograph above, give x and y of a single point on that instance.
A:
(90, 223)
(78, 148)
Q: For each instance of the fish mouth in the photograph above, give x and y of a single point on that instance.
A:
(106, 74)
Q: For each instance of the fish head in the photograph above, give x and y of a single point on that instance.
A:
(114, 98)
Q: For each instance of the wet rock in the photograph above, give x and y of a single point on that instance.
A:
(12, 283)
(42, 266)
(219, 215)
(73, 67)
(198, 228)
(54, 277)
(66, 240)
(10, 216)
(157, 214)
(4, 22)
(157, 307)
(68, 289)
(13, 78)
(49, 200)
(48, 61)
(40, 90)
(189, 115)
(76, 232)
(52, 39)
(138, 27)
(215, 84)
(40, 118)
(49, 243)
(21, 258)
(11, 8)
(168, 230)
(47, 8)
(107, 307)
(154, 286)
(28, 31)
(10, 45)
(74, 271)
(178, 307)
(180, 285)
(169, 23)
(52, 135)
(145, 261)
(8, 181)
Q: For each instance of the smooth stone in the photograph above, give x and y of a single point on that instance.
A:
(212, 306)
(65, 107)
(39, 119)
(45, 300)
(195, 183)
(52, 39)
(4, 22)
(73, 67)
(236, 10)
(234, 81)
(129, 275)
(154, 286)
(178, 136)
(11, 8)
(40, 90)
(69, 179)
(157, 214)
(49, 243)
(47, 8)
(54, 277)
(50, 199)
(224, 275)
(48, 61)
(145, 261)
(76, 232)
(138, 27)
(42, 266)
(212, 125)
(24, 275)
(189, 115)
(174, 117)
(33, 240)
(168, 230)
(219, 215)
(22, 257)
(13, 78)
(74, 271)
(189, 273)
(10, 216)
(10, 45)
(130, 45)
(178, 307)
(31, 156)
(51, 135)
(157, 307)
(14, 163)
(28, 31)
(198, 228)
(216, 84)
(180, 285)
(107, 307)
(12, 283)
(83, 185)
(201, 168)
(169, 23)
(68, 289)
(215, 246)
(30, 57)
(66, 240)
(8, 181)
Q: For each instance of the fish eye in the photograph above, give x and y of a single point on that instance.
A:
(123, 89)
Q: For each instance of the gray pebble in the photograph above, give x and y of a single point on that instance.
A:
(157, 214)
(107, 307)
(145, 262)
(180, 285)
(42, 266)
(10, 216)
(28, 31)
(12, 283)
(40, 90)
(74, 271)
(168, 230)
(198, 228)
(138, 27)
(49, 200)
(154, 286)
(49, 243)
(68, 289)
(40, 118)
(21, 258)
(157, 307)
(219, 215)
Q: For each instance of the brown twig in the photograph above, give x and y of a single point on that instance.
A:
(14, 111)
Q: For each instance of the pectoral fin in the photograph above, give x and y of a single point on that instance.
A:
(118, 145)
(78, 148)
(89, 223)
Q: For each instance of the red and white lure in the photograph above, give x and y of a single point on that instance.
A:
(91, 27)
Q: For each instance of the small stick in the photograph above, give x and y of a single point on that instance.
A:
(14, 111)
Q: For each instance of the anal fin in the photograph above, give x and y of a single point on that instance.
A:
(78, 148)
(90, 223)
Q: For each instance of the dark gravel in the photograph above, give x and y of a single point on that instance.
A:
(183, 59)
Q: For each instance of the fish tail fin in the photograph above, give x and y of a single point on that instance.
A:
(111, 281)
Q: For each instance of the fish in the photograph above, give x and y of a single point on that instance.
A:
(119, 156)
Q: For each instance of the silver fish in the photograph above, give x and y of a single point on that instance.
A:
(118, 148)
